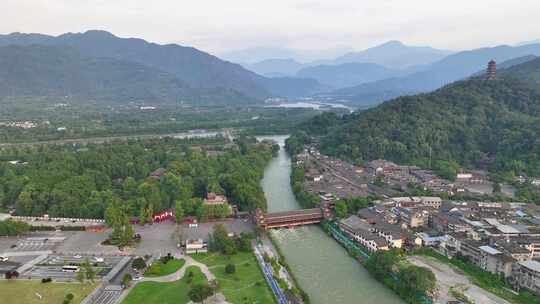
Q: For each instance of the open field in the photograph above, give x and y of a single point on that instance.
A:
(18, 291)
(449, 279)
(165, 293)
(158, 269)
(246, 285)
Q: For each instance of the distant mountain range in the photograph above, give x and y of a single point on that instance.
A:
(348, 74)
(177, 72)
(391, 55)
(258, 54)
(451, 68)
(58, 71)
(276, 67)
(396, 55)
(197, 69)
(528, 42)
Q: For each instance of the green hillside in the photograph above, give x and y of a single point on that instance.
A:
(193, 67)
(38, 70)
(475, 123)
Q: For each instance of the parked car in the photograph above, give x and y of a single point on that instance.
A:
(3, 259)
(78, 256)
(99, 260)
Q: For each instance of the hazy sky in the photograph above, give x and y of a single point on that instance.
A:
(221, 25)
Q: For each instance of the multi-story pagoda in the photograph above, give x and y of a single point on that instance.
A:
(491, 72)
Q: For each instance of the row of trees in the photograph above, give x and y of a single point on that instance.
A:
(12, 228)
(117, 218)
(82, 181)
(220, 241)
(305, 198)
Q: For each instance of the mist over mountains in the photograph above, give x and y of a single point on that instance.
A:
(197, 69)
(449, 69)
(134, 69)
(55, 71)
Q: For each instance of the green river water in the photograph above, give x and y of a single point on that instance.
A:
(322, 267)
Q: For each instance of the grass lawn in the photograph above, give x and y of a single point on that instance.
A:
(165, 293)
(246, 285)
(158, 269)
(24, 291)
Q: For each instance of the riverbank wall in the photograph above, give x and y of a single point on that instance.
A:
(283, 262)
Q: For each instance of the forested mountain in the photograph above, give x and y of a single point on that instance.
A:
(394, 54)
(39, 70)
(194, 67)
(347, 74)
(474, 123)
(529, 71)
(452, 68)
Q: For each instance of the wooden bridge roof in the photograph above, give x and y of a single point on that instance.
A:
(295, 215)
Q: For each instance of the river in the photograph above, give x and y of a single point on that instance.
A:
(322, 267)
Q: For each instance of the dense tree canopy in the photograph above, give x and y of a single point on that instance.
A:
(411, 282)
(83, 180)
(11, 228)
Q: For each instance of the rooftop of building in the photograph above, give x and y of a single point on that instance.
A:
(489, 250)
(355, 223)
(511, 247)
(394, 230)
(214, 199)
(531, 265)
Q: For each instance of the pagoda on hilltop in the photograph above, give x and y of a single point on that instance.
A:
(491, 72)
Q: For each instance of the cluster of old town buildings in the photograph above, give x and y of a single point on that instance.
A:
(325, 174)
(501, 238)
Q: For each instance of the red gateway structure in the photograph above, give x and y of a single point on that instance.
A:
(164, 215)
(292, 218)
(491, 72)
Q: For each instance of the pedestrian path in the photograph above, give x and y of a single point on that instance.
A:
(171, 277)
(108, 295)
(180, 273)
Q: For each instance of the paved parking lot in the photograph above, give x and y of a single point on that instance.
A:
(158, 238)
(236, 226)
(51, 267)
(38, 243)
(86, 243)
(42, 241)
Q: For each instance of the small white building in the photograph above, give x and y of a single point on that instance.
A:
(196, 246)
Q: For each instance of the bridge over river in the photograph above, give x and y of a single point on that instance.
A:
(292, 218)
(322, 267)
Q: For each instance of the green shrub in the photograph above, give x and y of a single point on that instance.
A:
(230, 268)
